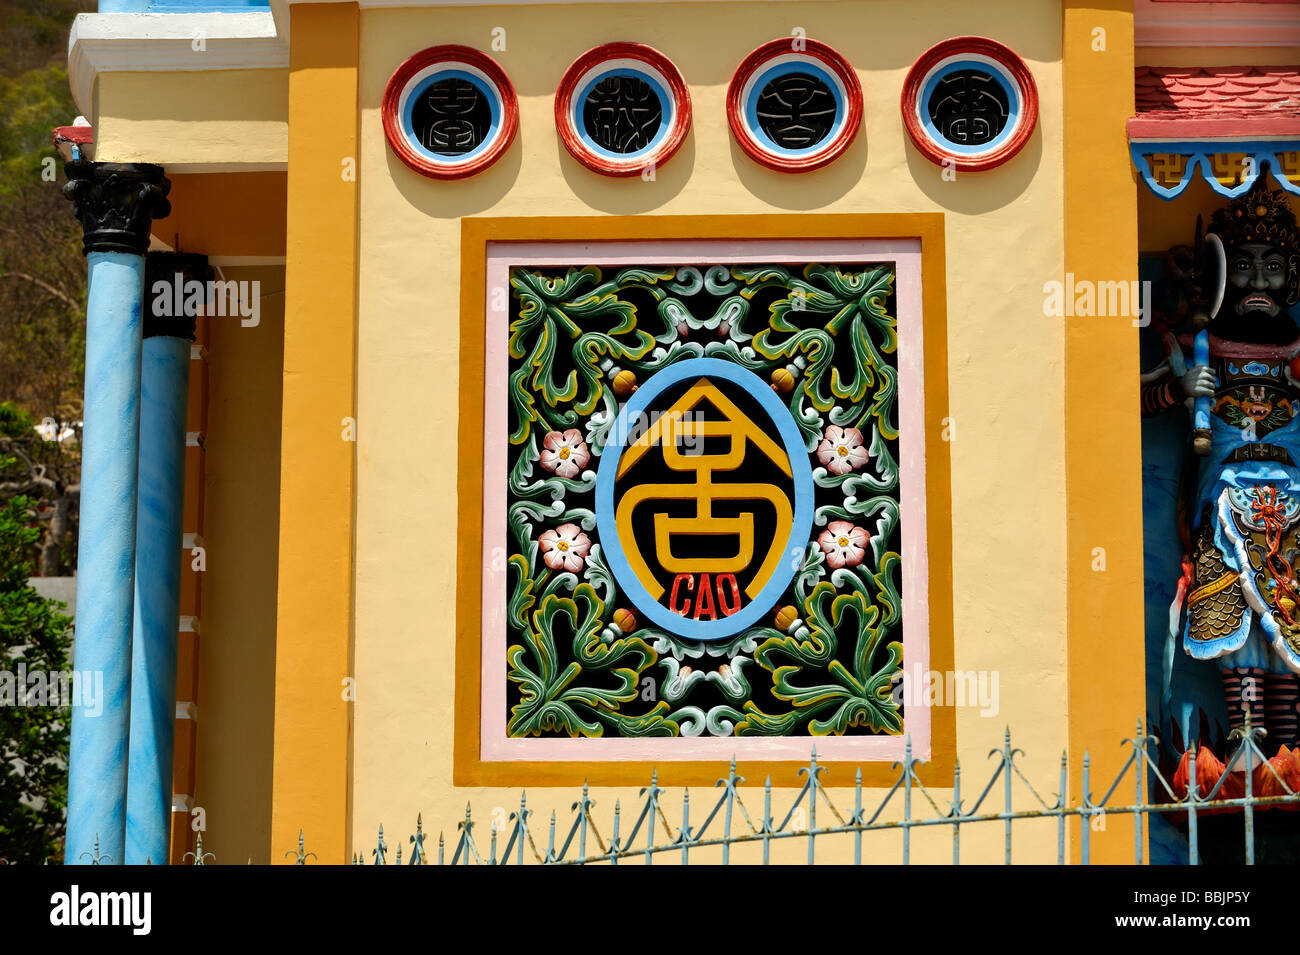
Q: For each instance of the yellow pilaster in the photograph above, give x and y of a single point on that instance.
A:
(1103, 439)
(311, 788)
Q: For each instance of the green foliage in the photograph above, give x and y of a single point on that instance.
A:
(34, 33)
(42, 273)
(33, 739)
(47, 473)
(42, 338)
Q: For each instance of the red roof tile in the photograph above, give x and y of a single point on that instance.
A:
(1216, 102)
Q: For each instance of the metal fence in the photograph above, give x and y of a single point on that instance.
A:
(729, 822)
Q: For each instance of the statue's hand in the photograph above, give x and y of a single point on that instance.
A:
(1199, 382)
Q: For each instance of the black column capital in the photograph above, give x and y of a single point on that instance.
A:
(165, 307)
(116, 203)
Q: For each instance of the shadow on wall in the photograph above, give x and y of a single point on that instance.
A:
(973, 193)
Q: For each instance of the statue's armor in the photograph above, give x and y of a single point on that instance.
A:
(1243, 597)
(1254, 394)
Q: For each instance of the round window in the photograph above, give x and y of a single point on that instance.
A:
(622, 108)
(449, 112)
(969, 103)
(794, 105)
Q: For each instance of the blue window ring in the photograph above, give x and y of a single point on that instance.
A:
(769, 74)
(623, 60)
(778, 58)
(1015, 101)
(985, 56)
(415, 76)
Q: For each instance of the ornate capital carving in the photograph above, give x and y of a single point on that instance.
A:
(116, 203)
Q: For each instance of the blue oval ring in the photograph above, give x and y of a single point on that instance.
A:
(801, 526)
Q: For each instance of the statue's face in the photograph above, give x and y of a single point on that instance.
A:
(1256, 277)
(1254, 298)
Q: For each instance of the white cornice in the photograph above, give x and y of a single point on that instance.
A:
(147, 42)
(1216, 24)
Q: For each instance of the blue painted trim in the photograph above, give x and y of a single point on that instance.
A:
(1200, 152)
(661, 616)
(182, 6)
(667, 113)
(766, 76)
(1015, 105)
(408, 125)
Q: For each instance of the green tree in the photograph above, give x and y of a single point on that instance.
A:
(42, 276)
(33, 738)
(48, 472)
(42, 338)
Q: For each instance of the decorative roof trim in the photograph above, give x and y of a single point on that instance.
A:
(1193, 104)
(1179, 163)
(1244, 127)
(163, 42)
(1159, 23)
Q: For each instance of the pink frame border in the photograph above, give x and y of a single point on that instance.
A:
(906, 256)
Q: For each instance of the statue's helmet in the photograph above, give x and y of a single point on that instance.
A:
(1262, 217)
(1262, 243)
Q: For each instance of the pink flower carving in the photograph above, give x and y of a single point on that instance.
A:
(565, 547)
(844, 544)
(841, 450)
(565, 454)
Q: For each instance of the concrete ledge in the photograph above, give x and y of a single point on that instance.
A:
(152, 42)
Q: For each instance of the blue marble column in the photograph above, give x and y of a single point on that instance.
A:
(116, 204)
(158, 558)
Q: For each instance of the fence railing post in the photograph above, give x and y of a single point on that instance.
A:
(1085, 811)
(956, 812)
(726, 818)
(767, 818)
(1193, 847)
(1061, 804)
(857, 818)
(1139, 803)
(1248, 810)
(613, 845)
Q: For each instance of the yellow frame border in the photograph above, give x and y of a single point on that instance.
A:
(1105, 641)
(311, 782)
(468, 768)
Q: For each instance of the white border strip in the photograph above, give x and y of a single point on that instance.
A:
(494, 745)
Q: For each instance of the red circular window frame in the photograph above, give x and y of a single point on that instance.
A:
(829, 58)
(959, 46)
(394, 130)
(567, 90)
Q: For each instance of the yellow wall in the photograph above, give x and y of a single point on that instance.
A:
(241, 511)
(1166, 223)
(1004, 241)
(216, 116)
